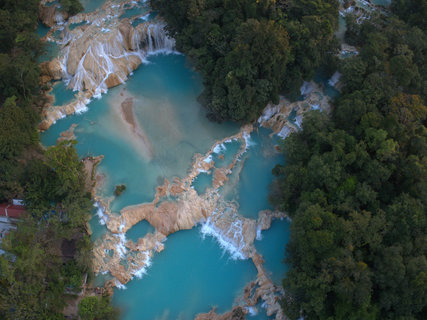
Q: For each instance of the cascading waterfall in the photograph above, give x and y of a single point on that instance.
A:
(157, 39)
(228, 232)
(108, 59)
(100, 54)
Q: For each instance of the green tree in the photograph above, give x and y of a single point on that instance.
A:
(94, 307)
(71, 6)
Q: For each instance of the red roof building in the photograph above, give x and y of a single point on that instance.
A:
(11, 211)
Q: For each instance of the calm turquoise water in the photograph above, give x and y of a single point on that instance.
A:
(92, 5)
(98, 229)
(329, 90)
(62, 94)
(147, 17)
(382, 2)
(135, 11)
(342, 28)
(190, 276)
(224, 154)
(48, 4)
(139, 230)
(72, 26)
(165, 93)
(51, 51)
(272, 248)
(256, 176)
(202, 181)
(42, 30)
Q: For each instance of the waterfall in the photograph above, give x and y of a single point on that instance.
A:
(98, 60)
(306, 88)
(334, 79)
(157, 40)
(227, 228)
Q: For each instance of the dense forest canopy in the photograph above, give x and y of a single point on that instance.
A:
(250, 51)
(355, 184)
(19, 77)
(34, 275)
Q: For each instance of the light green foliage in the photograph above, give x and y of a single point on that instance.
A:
(92, 308)
(58, 205)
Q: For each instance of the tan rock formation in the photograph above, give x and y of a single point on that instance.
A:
(51, 113)
(166, 216)
(220, 219)
(102, 54)
(99, 55)
(51, 70)
(90, 164)
(237, 313)
(127, 32)
(276, 117)
(67, 134)
(49, 15)
(265, 217)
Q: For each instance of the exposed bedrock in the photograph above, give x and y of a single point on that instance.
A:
(238, 313)
(51, 15)
(100, 54)
(276, 117)
(50, 70)
(177, 206)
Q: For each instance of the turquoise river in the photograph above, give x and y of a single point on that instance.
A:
(198, 269)
(195, 272)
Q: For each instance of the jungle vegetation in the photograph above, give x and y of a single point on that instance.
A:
(250, 51)
(355, 183)
(50, 252)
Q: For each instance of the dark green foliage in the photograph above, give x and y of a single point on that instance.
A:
(355, 186)
(414, 12)
(119, 189)
(33, 272)
(59, 208)
(73, 273)
(250, 51)
(19, 76)
(58, 184)
(17, 129)
(391, 50)
(71, 6)
(17, 17)
(19, 48)
(31, 286)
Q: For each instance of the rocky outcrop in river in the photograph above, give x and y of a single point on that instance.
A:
(177, 206)
(49, 13)
(101, 54)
